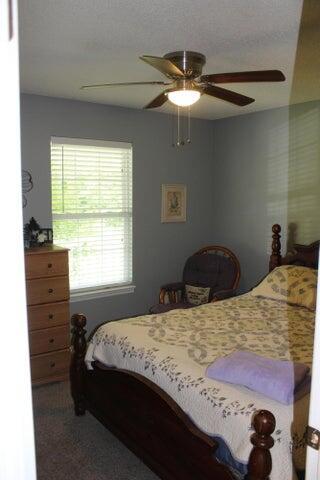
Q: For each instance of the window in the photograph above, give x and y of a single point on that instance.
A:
(92, 211)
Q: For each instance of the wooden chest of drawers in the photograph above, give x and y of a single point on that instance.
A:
(47, 286)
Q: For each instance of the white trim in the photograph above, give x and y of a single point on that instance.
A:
(90, 294)
(16, 419)
(90, 142)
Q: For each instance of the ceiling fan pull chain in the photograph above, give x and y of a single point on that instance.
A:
(183, 130)
(189, 127)
(178, 140)
(183, 133)
(173, 130)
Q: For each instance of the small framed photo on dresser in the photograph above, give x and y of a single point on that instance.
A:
(45, 235)
(174, 203)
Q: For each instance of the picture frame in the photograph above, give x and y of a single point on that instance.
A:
(173, 203)
(46, 235)
(35, 236)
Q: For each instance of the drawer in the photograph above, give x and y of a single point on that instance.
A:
(48, 315)
(46, 290)
(46, 264)
(50, 365)
(49, 339)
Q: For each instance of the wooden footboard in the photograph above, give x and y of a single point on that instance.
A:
(152, 425)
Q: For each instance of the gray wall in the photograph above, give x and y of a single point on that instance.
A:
(259, 169)
(159, 250)
(266, 171)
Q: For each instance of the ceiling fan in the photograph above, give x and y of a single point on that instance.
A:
(184, 69)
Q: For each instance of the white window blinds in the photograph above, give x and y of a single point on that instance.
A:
(92, 210)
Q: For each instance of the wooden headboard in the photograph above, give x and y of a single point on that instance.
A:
(304, 255)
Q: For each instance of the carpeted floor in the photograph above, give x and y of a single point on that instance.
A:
(78, 448)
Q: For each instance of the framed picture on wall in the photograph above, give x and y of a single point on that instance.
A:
(174, 203)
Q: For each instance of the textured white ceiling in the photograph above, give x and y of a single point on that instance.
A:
(68, 43)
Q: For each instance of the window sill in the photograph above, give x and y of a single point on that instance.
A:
(100, 293)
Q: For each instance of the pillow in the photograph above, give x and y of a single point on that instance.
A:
(197, 295)
(292, 284)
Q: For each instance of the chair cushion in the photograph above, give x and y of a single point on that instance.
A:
(197, 295)
(210, 270)
(166, 307)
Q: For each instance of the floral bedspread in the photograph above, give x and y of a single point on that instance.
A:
(174, 349)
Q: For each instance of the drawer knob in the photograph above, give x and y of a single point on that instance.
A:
(52, 364)
(50, 290)
(49, 265)
(51, 340)
(50, 316)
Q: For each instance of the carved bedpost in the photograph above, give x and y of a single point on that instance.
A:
(260, 462)
(275, 257)
(77, 366)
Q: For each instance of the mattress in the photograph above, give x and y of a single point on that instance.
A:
(173, 350)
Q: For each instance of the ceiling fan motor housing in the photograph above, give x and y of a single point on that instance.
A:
(191, 63)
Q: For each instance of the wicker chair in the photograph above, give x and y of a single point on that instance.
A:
(214, 266)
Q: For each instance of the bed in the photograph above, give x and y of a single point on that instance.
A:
(143, 378)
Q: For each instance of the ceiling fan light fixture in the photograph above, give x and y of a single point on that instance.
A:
(184, 98)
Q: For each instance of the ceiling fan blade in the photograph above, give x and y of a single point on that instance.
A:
(158, 101)
(125, 84)
(227, 95)
(164, 65)
(238, 77)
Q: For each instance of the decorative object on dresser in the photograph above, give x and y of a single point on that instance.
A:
(45, 236)
(47, 286)
(213, 267)
(34, 235)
